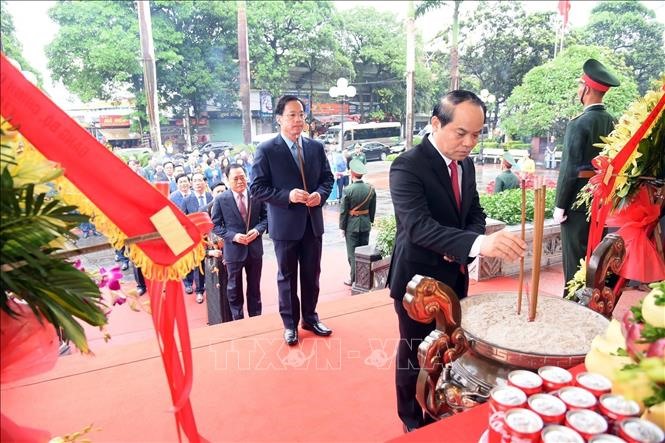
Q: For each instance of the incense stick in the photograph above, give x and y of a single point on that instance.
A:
(521, 279)
(538, 227)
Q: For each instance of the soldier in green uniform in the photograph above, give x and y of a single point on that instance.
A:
(356, 214)
(582, 133)
(506, 180)
(358, 154)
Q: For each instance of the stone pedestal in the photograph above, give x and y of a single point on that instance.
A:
(365, 257)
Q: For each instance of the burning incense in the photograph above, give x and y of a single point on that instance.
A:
(521, 280)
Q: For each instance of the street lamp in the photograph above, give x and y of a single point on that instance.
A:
(489, 99)
(342, 90)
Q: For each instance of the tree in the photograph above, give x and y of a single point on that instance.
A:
(503, 43)
(631, 30)
(96, 52)
(544, 102)
(10, 44)
(375, 41)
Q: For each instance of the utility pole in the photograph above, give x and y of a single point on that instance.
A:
(243, 60)
(410, 76)
(149, 72)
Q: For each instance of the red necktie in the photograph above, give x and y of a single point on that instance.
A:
(241, 207)
(455, 183)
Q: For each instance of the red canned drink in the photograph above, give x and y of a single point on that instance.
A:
(527, 381)
(636, 430)
(497, 428)
(503, 398)
(577, 398)
(523, 425)
(554, 378)
(615, 408)
(595, 383)
(560, 434)
(586, 423)
(606, 438)
(551, 409)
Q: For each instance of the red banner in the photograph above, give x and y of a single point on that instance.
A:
(129, 204)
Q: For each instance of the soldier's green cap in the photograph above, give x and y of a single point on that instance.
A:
(508, 158)
(597, 76)
(357, 167)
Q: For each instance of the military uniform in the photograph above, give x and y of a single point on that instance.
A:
(582, 133)
(506, 180)
(361, 157)
(356, 214)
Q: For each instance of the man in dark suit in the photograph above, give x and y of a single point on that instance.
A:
(241, 221)
(185, 200)
(440, 226)
(582, 133)
(292, 175)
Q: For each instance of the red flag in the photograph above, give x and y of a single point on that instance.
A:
(564, 9)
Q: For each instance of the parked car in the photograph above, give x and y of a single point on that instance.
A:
(372, 150)
(398, 148)
(217, 147)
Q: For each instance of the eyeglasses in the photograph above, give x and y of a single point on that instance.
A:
(240, 178)
(294, 116)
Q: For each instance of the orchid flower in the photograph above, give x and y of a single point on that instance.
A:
(110, 278)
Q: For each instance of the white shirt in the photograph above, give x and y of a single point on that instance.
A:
(475, 248)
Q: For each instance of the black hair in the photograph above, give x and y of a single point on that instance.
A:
(233, 166)
(283, 100)
(444, 110)
(179, 176)
(167, 162)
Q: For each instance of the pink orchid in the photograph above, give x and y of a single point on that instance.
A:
(119, 299)
(78, 265)
(110, 278)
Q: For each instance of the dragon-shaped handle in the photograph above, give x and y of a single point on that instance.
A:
(427, 299)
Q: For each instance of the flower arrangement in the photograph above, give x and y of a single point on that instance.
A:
(631, 354)
(646, 161)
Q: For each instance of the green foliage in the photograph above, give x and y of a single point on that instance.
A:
(391, 157)
(500, 43)
(632, 31)
(506, 206)
(375, 42)
(32, 225)
(386, 229)
(545, 101)
(96, 52)
(10, 44)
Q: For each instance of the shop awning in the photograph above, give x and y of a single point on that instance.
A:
(118, 134)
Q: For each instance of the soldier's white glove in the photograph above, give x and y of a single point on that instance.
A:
(559, 216)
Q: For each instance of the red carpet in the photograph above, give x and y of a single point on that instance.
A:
(248, 386)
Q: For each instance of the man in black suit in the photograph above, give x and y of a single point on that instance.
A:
(241, 220)
(292, 175)
(440, 226)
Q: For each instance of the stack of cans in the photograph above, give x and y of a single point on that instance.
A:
(552, 406)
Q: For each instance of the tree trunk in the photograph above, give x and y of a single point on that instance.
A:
(243, 60)
(454, 51)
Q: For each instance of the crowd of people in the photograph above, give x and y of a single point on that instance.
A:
(440, 223)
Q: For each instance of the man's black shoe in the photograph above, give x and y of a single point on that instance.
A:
(407, 429)
(140, 291)
(291, 337)
(348, 282)
(317, 328)
(124, 266)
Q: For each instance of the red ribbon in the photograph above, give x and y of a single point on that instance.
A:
(637, 221)
(600, 207)
(127, 200)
